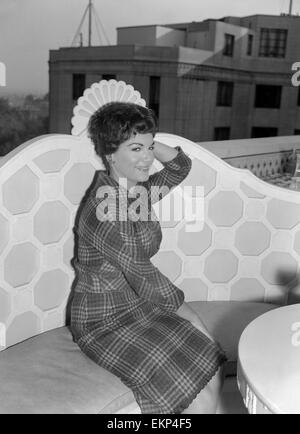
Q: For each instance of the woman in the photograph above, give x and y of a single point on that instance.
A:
(126, 315)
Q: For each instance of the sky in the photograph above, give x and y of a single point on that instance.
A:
(30, 28)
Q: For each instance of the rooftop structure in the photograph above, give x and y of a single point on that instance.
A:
(217, 79)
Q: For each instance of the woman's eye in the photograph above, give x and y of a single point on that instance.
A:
(136, 149)
(152, 147)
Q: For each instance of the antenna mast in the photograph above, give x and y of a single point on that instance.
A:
(90, 22)
(91, 12)
(291, 7)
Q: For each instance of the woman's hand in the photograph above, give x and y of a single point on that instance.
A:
(164, 153)
(187, 313)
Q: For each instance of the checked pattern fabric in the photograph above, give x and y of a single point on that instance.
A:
(123, 312)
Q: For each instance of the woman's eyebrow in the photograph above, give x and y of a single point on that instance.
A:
(139, 144)
(135, 143)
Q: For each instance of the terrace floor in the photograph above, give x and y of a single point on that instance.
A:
(231, 399)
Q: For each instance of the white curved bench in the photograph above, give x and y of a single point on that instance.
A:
(242, 263)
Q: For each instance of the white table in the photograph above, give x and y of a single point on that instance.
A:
(269, 362)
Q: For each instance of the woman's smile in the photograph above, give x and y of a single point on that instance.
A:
(133, 159)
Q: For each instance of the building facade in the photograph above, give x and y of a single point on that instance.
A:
(210, 80)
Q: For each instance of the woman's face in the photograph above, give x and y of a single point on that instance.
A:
(133, 159)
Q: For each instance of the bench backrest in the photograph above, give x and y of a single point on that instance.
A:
(248, 247)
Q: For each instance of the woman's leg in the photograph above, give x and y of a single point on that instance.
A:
(207, 400)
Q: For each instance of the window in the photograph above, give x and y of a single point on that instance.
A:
(154, 94)
(228, 45)
(263, 132)
(250, 45)
(78, 85)
(297, 132)
(222, 133)
(225, 93)
(273, 42)
(267, 96)
(109, 77)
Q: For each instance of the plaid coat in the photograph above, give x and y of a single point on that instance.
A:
(123, 313)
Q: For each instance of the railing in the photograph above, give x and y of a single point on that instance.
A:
(267, 158)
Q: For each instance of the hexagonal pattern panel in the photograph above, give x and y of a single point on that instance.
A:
(168, 263)
(251, 192)
(279, 268)
(282, 240)
(235, 207)
(21, 264)
(254, 210)
(4, 228)
(194, 289)
(77, 181)
(22, 228)
(21, 191)
(53, 161)
(194, 243)
(252, 238)
(23, 326)
(68, 251)
(51, 222)
(247, 290)
(225, 208)
(221, 266)
(168, 209)
(282, 214)
(51, 289)
(4, 305)
(297, 243)
(201, 175)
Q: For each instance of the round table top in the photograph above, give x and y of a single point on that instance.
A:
(269, 362)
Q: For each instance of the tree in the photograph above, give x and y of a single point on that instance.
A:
(22, 123)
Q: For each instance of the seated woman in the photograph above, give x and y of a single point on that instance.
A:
(126, 315)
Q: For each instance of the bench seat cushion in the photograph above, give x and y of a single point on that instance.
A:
(49, 374)
(226, 320)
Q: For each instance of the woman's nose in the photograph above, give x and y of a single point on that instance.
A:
(148, 156)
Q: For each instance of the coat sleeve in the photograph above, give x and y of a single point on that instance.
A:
(174, 172)
(116, 242)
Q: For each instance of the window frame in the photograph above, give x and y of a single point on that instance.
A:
(77, 87)
(225, 91)
(154, 93)
(250, 44)
(255, 136)
(109, 77)
(261, 100)
(218, 133)
(229, 41)
(273, 42)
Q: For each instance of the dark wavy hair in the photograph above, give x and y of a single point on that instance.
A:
(115, 122)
